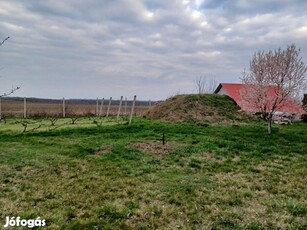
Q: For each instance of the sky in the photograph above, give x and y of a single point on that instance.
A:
(150, 48)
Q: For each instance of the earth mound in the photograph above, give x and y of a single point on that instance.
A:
(207, 108)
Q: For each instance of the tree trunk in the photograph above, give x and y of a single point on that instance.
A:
(269, 121)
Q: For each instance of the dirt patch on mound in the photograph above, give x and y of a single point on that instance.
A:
(209, 108)
(156, 147)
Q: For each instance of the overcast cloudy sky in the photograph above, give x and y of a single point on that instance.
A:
(151, 48)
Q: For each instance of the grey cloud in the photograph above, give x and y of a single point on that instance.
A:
(152, 48)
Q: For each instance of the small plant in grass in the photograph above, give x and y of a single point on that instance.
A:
(74, 120)
(247, 193)
(26, 122)
(53, 120)
(97, 121)
(3, 119)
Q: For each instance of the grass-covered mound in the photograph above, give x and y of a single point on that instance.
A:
(202, 108)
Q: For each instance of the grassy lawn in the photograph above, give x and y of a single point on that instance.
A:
(116, 176)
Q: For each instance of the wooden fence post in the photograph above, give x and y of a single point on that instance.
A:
(64, 107)
(126, 104)
(132, 109)
(97, 110)
(120, 105)
(100, 111)
(149, 103)
(24, 107)
(108, 111)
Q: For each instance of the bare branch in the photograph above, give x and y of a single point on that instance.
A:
(13, 89)
(11, 92)
(1, 43)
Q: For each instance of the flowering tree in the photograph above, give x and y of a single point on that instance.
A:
(274, 79)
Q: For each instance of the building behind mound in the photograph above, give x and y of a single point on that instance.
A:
(234, 91)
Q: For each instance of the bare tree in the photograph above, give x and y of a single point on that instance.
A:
(274, 79)
(200, 85)
(204, 85)
(13, 88)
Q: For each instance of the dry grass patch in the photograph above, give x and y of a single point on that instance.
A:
(103, 150)
(156, 147)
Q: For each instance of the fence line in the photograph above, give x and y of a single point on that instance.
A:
(32, 107)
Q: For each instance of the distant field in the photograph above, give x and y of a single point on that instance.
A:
(34, 108)
(116, 176)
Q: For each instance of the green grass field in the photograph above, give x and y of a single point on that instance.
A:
(116, 176)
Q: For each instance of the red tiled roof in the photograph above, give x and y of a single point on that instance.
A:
(291, 106)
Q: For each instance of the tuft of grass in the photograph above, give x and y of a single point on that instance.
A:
(195, 163)
(113, 212)
(297, 208)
